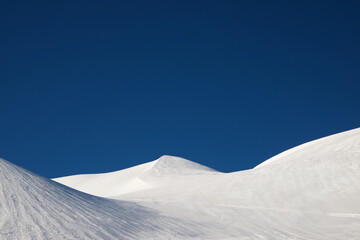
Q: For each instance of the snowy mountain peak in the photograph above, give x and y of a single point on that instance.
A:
(171, 165)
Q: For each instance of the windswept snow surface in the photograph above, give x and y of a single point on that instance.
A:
(33, 207)
(309, 192)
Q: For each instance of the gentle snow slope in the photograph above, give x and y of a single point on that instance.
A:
(33, 207)
(133, 179)
(308, 192)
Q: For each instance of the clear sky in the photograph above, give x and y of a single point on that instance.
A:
(98, 86)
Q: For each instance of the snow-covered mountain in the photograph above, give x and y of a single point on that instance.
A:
(309, 192)
(33, 207)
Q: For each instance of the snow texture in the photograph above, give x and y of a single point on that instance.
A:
(33, 207)
(309, 192)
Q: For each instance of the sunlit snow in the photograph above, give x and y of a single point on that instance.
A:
(309, 192)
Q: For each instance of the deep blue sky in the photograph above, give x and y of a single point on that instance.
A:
(98, 86)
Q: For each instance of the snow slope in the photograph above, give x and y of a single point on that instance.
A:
(33, 207)
(133, 179)
(309, 192)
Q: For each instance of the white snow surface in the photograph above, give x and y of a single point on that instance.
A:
(309, 192)
(33, 207)
(135, 178)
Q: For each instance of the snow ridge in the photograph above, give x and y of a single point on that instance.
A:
(346, 141)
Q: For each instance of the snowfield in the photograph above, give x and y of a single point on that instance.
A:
(309, 192)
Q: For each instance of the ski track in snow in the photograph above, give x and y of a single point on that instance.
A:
(309, 192)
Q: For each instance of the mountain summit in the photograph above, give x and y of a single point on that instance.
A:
(136, 178)
(170, 165)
